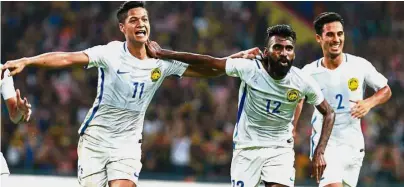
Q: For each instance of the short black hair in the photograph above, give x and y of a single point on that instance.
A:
(324, 18)
(280, 30)
(122, 12)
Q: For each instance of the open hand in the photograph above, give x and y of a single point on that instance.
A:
(248, 54)
(153, 49)
(360, 109)
(23, 106)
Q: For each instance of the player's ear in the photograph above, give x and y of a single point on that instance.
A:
(266, 52)
(122, 27)
(318, 38)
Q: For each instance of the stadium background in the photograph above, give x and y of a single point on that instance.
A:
(187, 133)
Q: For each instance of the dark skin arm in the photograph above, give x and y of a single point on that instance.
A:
(204, 72)
(318, 161)
(298, 111)
(195, 71)
(192, 59)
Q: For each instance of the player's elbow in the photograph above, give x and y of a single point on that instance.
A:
(330, 114)
(388, 93)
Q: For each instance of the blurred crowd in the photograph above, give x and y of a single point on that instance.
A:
(189, 124)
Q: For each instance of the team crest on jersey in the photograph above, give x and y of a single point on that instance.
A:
(353, 84)
(292, 95)
(155, 74)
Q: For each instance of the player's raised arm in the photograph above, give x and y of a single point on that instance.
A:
(204, 72)
(190, 58)
(51, 60)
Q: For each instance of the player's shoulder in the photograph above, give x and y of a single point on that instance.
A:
(312, 67)
(300, 77)
(246, 63)
(353, 59)
(299, 73)
(117, 45)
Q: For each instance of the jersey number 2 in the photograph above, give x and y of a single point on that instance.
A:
(339, 97)
(137, 84)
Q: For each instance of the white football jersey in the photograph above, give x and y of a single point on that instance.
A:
(126, 86)
(267, 106)
(339, 86)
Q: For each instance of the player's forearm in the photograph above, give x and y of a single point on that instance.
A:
(193, 59)
(298, 111)
(380, 97)
(53, 60)
(328, 123)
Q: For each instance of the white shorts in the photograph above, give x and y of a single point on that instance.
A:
(343, 165)
(251, 166)
(97, 165)
(4, 168)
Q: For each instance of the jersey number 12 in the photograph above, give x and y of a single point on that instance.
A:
(276, 108)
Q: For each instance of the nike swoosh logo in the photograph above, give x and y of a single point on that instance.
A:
(122, 72)
(322, 178)
(136, 175)
(291, 179)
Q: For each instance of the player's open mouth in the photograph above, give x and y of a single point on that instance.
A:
(335, 46)
(284, 63)
(140, 33)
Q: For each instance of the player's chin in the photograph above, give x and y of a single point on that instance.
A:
(142, 39)
(335, 52)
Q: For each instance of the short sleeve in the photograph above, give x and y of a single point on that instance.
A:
(313, 91)
(97, 56)
(7, 86)
(373, 78)
(240, 67)
(176, 68)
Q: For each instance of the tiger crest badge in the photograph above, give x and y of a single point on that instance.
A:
(155, 74)
(353, 84)
(292, 95)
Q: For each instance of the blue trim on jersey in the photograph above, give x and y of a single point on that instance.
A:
(346, 58)
(318, 63)
(124, 46)
(240, 108)
(312, 136)
(99, 102)
(256, 61)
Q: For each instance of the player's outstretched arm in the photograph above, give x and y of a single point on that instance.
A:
(362, 107)
(190, 58)
(19, 109)
(51, 60)
(319, 163)
(203, 72)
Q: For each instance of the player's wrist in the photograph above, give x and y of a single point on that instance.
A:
(163, 53)
(28, 61)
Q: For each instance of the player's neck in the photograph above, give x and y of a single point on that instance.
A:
(137, 50)
(272, 73)
(332, 63)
